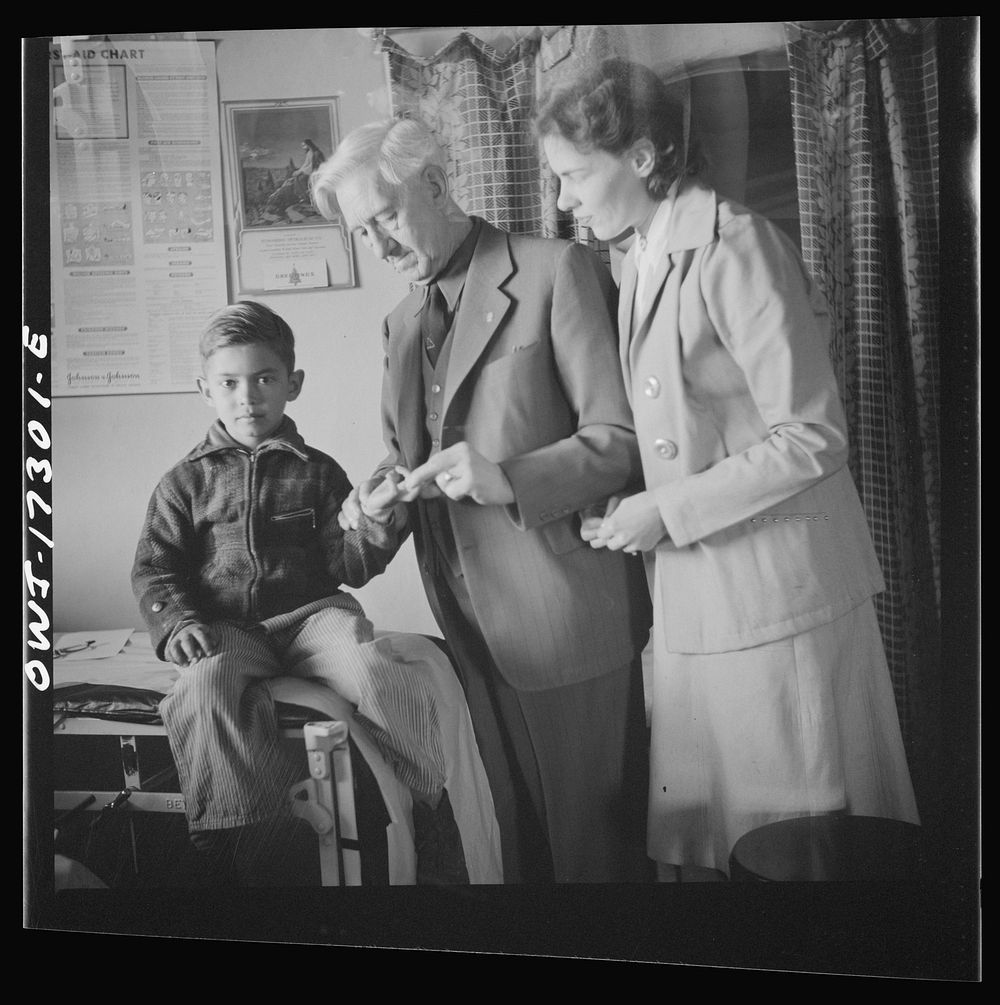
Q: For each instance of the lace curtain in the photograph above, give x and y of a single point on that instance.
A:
(865, 116)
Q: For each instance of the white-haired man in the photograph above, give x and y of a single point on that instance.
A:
(505, 416)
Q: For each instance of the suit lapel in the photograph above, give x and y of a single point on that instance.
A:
(661, 270)
(626, 300)
(483, 308)
(692, 225)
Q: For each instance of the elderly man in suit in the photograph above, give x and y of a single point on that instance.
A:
(505, 417)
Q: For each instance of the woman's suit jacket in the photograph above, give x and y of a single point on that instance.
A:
(533, 384)
(742, 435)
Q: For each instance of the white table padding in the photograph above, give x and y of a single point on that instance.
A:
(468, 789)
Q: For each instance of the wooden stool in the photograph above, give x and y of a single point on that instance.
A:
(828, 848)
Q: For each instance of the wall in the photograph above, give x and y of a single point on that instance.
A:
(108, 452)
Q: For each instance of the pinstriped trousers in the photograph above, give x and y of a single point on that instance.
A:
(567, 766)
(222, 725)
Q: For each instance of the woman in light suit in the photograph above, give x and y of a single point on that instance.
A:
(771, 695)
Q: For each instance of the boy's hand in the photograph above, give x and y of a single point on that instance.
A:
(379, 502)
(192, 643)
(374, 498)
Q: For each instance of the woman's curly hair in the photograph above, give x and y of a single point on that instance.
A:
(614, 105)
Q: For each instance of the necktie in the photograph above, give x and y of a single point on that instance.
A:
(434, 322)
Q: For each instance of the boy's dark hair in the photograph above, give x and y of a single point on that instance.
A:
(249, 323)
(614, 105)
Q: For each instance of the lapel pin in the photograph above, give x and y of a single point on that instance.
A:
(489, 318)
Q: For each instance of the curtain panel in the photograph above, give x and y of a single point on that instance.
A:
(478, 103)
(865, 118)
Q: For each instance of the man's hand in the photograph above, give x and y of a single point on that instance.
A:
(374, 498)
(632, 524)
(192, 643)
(459, 472)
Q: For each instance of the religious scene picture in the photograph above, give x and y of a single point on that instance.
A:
(275, 148)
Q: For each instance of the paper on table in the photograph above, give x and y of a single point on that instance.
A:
(104, 644)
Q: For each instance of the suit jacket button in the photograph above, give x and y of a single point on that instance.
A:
(667, 449)
(158, 606)
(652, 388)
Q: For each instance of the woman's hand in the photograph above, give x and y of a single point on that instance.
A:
(592, 517)
(631, 524)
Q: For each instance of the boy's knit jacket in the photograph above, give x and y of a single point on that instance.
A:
(240, 535)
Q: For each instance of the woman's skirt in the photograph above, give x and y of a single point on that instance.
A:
(802, 726)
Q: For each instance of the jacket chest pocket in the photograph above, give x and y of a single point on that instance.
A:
(511, 360)
(296, 527)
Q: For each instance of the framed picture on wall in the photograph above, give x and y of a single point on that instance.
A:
(281, 242)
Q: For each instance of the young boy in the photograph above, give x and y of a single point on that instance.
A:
(238, 574)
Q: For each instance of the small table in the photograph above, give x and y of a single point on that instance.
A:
(830, 848)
